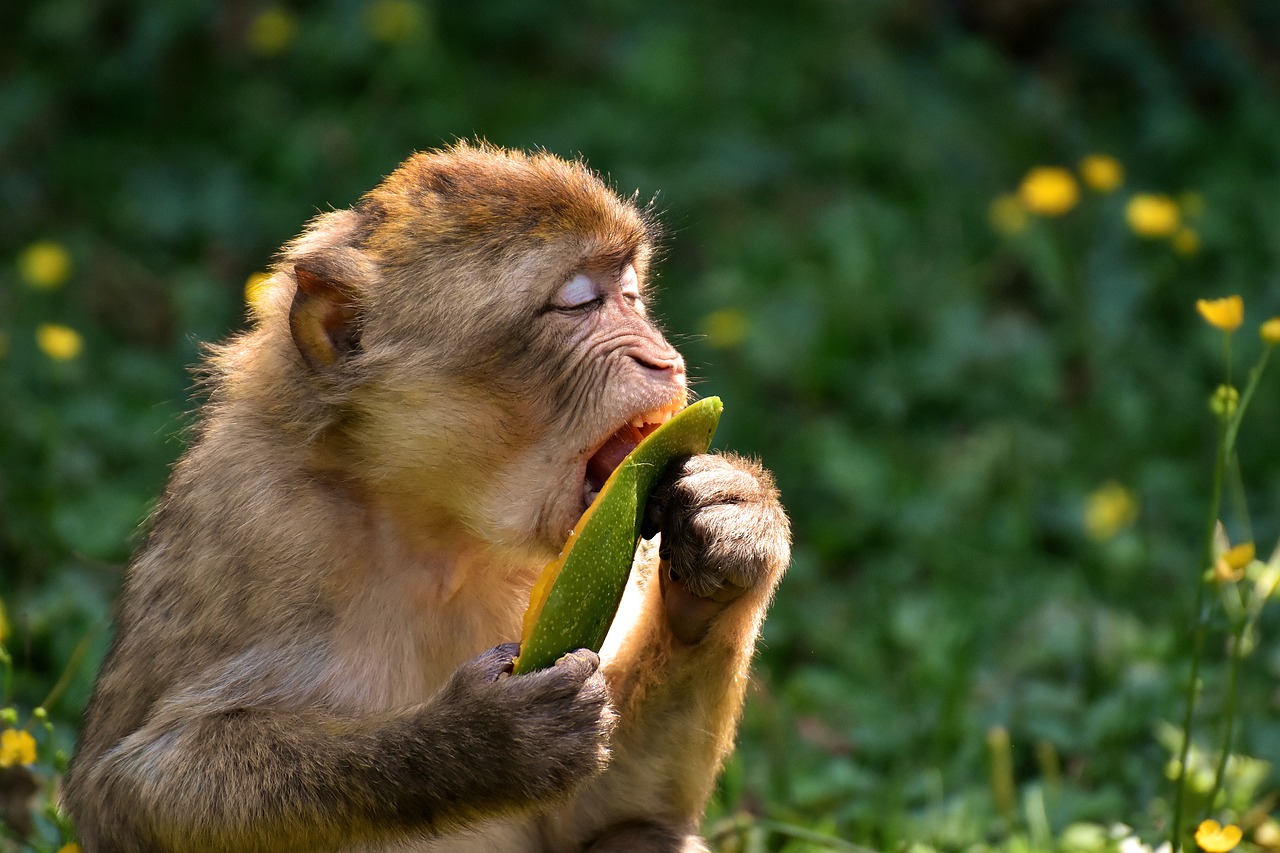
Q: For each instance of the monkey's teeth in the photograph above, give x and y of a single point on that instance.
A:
(602, 463)
(656, 418)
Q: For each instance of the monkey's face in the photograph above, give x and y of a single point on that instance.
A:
(578, 375)
(505, 361)
(552, 379)
(609, 379)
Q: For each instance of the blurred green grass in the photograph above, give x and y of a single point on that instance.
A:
(938, 399)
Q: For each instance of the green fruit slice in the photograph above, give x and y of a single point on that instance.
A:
(577, 595)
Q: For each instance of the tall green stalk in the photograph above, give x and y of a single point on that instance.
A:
(1228, 428)
(1197, 637)
(1228, 725)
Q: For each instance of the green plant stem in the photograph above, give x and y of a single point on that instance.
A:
(1233, 426)
(6, 661)
(1227, 431)
(77, 655)
(1226, 353)
(1197, 638)
(1229, 724)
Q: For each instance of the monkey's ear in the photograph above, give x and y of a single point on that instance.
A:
(322, 319)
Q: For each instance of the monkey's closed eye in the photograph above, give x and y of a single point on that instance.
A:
(578, 292)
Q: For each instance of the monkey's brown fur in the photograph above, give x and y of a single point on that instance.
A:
(387, 459)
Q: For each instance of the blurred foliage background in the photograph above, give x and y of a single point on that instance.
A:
(989, 423)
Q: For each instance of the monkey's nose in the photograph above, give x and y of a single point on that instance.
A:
(661, 361)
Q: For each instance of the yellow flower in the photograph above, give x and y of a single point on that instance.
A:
(255, 290)
(1108, 510)
(272, 31)
(1226, 314)
(1186, 242)
(1102, 173)
(394, 21)
(4, 624)
(16, 747)
(1240, 555)
(725, 328)
(58, 342)
(1215, 838)
(44, 265)
(1007, 215)
(69, 848)
(1049, 191)
(1152, 215)
(1270, 331)
(1230, 565)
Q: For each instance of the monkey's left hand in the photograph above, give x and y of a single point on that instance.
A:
(724, 534)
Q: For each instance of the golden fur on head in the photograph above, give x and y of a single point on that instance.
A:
(446, 267)
(484, 200)
(446, 218)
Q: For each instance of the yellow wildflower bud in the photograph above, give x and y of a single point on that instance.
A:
(1049, 191)
(1108, 510)
(1270, 331)
(69, 848)
(44, 265)
(392, 21)
(1230, 565)
(1102, 173)
(1224, 401)
(272, 31)
(60, 343)
(1151, 215)
(16, 747)
(1007, 215)
(9, 716)
(1240, 556)
(1223, 573)
(1215, 838)
(725, 328)
(1186, 242)
(4, 623)
(1227, 313)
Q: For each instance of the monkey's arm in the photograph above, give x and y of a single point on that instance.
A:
(258, 779)
(679, 667)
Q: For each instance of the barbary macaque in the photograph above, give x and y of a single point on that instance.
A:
(313, 648)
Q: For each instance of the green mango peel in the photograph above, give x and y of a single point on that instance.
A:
(577, 595)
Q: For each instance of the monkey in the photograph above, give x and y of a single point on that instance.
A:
(313, 645)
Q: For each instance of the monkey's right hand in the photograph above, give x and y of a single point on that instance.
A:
(524, 741)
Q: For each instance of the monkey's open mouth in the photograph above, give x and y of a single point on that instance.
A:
(609, 456)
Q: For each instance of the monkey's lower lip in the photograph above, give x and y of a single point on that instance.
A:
(609, 456)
